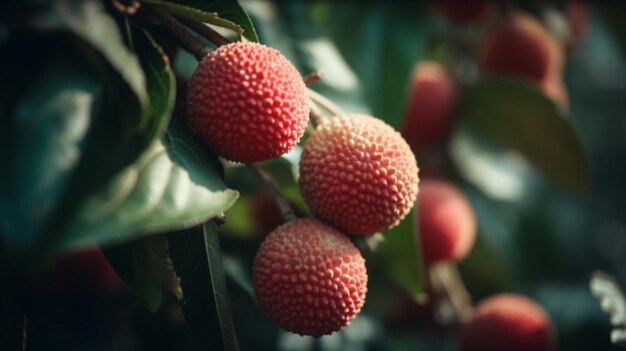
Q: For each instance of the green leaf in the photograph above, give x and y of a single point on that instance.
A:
(225, 14)
(88, 21)
(173, 186)
(160, 80)
(197, 259)
(70, 148)
(398, 257)
(516, 115)
(137, 265)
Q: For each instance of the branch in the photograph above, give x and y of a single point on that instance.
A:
(325, 103)
(205, 31)
(448, 285)
(315, 116)
(189, 41)
(283, 205)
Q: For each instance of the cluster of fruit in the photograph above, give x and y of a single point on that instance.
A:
(358, 176)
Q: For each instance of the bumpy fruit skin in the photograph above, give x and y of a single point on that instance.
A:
(507, 322)
(431, 102)
(463, 12)
(247, 102)
(447, 223)
(358, 173)
(520, 46)
(309, 278)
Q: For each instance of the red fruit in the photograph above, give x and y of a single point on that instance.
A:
(507, 322)
(85, 273)
(359, 174)
(463, 12)
(520, 46)
(447, 224)
(247, 102)
(309, 278)
(431, 102)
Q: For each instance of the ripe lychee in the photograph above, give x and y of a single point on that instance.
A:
(247, 102)
(447, 224)
(431, 102)
(507, 322)
(309, 278)
(520, 46)
(358, 173)
(463, 12)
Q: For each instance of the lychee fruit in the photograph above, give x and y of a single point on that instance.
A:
(507, 322)
(431, 102)
(520, 46)
(309, 278)
(358, 173)
(447, 224)
(85, 274)
(247, 102)
(463, 12)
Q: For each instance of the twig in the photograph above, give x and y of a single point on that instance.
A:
(448, 285)
(315, 116)
(204, 30)
(325, 103)
(313, 77)
(283, 205)
(191, 43)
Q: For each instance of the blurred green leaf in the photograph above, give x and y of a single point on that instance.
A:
(77, 114)
(399, 257)
(227, 14)
(172, 186)
(197, 259)
(137, 265)
(613, 15)
(516, 115)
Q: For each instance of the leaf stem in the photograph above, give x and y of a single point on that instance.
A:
(283, 205)
(191, 43)
(313, 77)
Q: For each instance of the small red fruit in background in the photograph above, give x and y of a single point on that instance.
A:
(359, 174)
(309, 278)
(463, 12)
(431, 102)
(247, 102)
(447, 224)
(507, 322)
(520, 46)
(85, 274)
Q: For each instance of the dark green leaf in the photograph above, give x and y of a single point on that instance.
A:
(160, 80)
(226, 14)
(136, 264)
(173, 186)
(77, 114)
(518, 116)
(197, 260)
(398, 257)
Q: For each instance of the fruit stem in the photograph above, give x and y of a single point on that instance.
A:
(315, 116)
(325, 103)
(448, 285)
(313, 77)
(191, 43)
(205, 31)
(285, 209)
